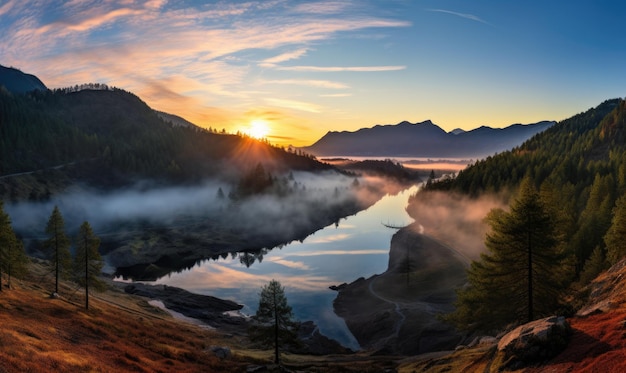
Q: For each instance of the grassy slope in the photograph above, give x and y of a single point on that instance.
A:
(43, 334)
(123, 333)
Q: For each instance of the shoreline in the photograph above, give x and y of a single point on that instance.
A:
(396, 312)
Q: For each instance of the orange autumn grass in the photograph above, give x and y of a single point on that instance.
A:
(40, 334)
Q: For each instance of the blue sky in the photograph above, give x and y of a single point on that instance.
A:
(307, 67)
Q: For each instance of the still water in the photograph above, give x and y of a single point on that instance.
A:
(357, 247)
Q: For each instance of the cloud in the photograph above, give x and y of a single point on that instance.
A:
(309, 83)
(289, 263)
(293, 104)
(337, 95)
(293, 55)
(342, 252)
(342, 68)
(322, 7)
(212, 48)
(462, 15)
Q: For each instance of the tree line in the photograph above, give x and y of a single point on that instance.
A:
(84, 267)
(565, 224)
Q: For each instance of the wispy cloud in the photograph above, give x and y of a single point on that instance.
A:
(341, 252)
(341, 68)
(270, 62)
(323, 7)
(289, 263)
(293, 104)
(462, 15)
(337, 95)
(309, 83)
(182, 58)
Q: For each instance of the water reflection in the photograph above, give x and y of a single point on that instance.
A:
(356, 247)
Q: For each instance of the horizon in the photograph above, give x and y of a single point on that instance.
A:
(291, 71)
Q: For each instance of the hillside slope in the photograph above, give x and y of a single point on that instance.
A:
(578, 164)
(110, 138)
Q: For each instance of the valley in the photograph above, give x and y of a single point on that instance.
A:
(386, 264)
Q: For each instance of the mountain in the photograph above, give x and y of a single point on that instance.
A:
(424, 139)
(16, 81)
(110, 137)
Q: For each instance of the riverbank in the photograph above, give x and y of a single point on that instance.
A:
(396, 312)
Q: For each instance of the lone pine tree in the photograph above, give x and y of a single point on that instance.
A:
(273, 322)
(58, 246)
(87, 261)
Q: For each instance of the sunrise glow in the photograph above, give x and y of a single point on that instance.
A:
(259, 129)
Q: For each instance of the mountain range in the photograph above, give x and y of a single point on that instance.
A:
(424, 139)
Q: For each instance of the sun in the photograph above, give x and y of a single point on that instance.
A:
(259, 129)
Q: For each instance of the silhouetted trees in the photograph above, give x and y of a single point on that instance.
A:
(13, 259)
(57, 246)
(87, 261)
(273, 322)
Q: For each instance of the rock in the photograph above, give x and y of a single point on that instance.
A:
(536, 341)
(338, 287)
(221, 352)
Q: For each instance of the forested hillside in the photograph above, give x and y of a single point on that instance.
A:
(579, 167)
(122, 139)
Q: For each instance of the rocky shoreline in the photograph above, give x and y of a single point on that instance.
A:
(396, 312)
(217, 314)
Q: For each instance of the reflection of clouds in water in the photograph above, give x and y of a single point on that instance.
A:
(341, 252)
(223, 276)
(329, 239)
(289, 263)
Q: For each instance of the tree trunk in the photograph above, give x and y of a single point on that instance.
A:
(86, 278)
(530, 272)
(276, 356)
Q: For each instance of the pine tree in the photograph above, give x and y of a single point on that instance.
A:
(273, 322)
(520, 276)
(615, 238)
(13, 259)
(58, 245)
(87, 261)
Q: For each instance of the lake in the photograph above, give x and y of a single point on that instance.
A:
(357, 247)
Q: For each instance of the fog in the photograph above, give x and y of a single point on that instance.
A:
(175, 205)
(455, 219)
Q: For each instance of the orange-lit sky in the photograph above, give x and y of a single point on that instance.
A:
(307, 67)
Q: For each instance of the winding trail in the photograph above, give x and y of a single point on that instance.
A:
(397, 308)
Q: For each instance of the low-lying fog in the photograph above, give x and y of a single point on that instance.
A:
(164, 206)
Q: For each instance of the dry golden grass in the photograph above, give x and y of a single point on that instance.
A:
(123, 333)
(40, 334)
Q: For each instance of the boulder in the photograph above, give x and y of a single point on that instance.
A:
(221, 352)
(536, 341)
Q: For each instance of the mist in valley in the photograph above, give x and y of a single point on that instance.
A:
(295, 202)
(454, 219)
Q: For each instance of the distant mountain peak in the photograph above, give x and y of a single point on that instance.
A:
(423, 139)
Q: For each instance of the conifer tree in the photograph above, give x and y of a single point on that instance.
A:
(87, 261)
(13, 259)
(273, 322)
(521, 274)
(615, 238)
(58, 245)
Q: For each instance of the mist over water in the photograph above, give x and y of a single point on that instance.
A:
(357, 247)
(163, 206)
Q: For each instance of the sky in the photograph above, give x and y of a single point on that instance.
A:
(295, 70)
